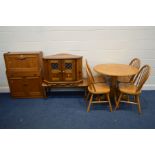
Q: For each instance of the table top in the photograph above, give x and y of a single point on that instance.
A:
(116, 69)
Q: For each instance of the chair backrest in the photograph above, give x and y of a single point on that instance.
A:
(90, 78)
(142, 76)
(135, 63)
(89, 70)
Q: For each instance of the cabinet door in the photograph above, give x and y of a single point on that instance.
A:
(55, 70)
(33, 86)
(68, 69)
(17, 87)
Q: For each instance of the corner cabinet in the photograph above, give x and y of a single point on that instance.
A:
(63, 69)
(24, 73)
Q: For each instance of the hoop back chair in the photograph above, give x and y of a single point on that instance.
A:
(134, 63)
(96, 79)
(134, 88)
(97, 89)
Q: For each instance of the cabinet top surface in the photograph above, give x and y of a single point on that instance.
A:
(28, 52)
(63, 56)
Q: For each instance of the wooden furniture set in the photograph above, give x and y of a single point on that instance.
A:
(29, 74)
(114, 71)
(132, 86)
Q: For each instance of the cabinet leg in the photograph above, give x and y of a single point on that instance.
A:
(45, 92)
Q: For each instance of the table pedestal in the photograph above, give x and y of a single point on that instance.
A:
(113, 91)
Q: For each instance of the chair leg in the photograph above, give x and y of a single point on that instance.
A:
(85, 93)
(90, 102)
(128, 99)
(109, 102)
(118, 102)
(99, 98)
(87, 97)
(138, 103)
(115, 97)
(134, 98)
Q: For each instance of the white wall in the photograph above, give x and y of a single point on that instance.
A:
(97, 44)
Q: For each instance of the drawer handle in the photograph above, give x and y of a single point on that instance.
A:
(21, 58)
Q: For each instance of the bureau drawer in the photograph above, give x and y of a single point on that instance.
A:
(22, 62)
(22, 74)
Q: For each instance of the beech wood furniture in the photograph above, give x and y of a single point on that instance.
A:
(24, 73)
(97, 89)
(95, 79)
(114, 71)
(134, 88)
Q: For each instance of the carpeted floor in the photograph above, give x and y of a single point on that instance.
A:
(68, 111)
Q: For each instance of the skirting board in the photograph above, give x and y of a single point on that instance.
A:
(7, 90)
(4, 90)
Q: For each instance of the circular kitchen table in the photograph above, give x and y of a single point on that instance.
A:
(114, 71)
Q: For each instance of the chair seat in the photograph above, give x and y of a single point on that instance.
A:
(128, 88)
(99, 79)
(101, 88)
(124, 79)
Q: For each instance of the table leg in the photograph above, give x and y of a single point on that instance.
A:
(114, 88)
